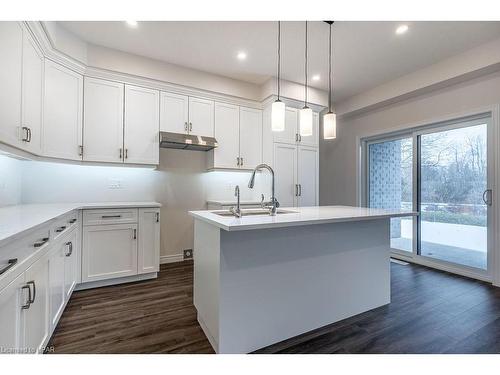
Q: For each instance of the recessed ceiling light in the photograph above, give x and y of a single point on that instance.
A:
(401, 29)
(241, 55)
(316, 77)
(131, 23)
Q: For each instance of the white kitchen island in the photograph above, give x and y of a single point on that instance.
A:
(262, 279)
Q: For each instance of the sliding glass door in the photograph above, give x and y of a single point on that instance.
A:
(443, 172)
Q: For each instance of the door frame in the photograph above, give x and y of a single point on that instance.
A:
(492, 274)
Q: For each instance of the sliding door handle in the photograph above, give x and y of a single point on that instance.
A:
(488, 197)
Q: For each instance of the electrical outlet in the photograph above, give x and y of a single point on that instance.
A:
(188, 254)
(114, 183)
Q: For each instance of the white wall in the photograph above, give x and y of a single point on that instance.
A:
(180, 184)
(10, 180)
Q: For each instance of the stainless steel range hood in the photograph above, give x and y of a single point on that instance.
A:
(187, 141)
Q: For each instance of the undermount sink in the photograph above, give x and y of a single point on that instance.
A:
(254, 212)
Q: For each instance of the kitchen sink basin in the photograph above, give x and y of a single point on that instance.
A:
(254, 212)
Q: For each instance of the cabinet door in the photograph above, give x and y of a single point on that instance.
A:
(227, 123)
(70, 263)
(32, 96)
(289, 135)
(56, 283)
(11, 46)
(285, 167)
(109, 251)
(103, 121)
(250, 137)
(312, 140)
(307, 176)
(201, 117)
(149, 240)
(174, 113)
(62, 112)
(142, 125)
(11, 318)
(36, 331)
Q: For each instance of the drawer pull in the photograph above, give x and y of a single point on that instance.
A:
(157, 217)
(42, 242)
(111, 216)
(32, 300)
(10, 264)
(72, 221)
(61, 229)
(135, 234)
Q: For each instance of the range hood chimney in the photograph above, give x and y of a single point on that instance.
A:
(187, 141)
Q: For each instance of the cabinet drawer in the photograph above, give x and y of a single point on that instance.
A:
(64, 224)
(110, 216)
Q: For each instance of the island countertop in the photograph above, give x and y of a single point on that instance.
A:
(298, 216)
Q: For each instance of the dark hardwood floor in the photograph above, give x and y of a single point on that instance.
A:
(431, 312)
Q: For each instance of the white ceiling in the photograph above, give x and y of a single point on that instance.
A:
(366, 54)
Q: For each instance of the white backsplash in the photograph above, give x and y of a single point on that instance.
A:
(10, 180)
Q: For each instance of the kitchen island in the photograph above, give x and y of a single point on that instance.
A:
(261, 279)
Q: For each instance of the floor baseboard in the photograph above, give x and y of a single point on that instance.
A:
(171, 258)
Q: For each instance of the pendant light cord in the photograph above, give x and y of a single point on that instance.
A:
(305, 87)
(330, 71)
(279, 57)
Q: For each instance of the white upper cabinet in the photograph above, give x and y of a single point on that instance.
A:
(103, 121)
(32, 91)
(11, 49)
(289, 135)
(141, 125)
(250, 137)
(227, 133)
(285, 169)
(307, 176)
(174, 113)
(63, 102)
(201, 117)
(311, 140)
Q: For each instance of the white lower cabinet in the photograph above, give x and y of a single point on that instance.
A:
(149, 240)
(285, 169)
(36, 325)
(56, 283)
(71, 263)
(11, 324)
(307, 176)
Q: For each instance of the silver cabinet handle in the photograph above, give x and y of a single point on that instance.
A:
(241, 162)
(300, 138)
(296, 190)
(29, 134)
(61, 229)
(238, 161)
(80, 150)
(190, 127)
(72, 221)
(70, 248)
(300, 190)
(135, 234)
(186, 126)
(126, 153)
(10, 264)
(111, 216)
(28, 302)
(32, 300)
(157, 217)
(121, 154)
(25, 132)
(41, 243)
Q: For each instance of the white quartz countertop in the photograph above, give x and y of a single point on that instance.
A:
(299, 216)
(15, 220)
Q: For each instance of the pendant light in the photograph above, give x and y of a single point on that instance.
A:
(278, 107)
(330, 119)
(305, 114)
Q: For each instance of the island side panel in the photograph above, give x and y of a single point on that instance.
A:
(206, 256)
(279, 283)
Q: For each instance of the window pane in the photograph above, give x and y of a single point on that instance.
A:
(453, 178)
(390, 185)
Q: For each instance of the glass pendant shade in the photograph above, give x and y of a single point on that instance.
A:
(278, 116)
(306, 122)
(330, 126)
